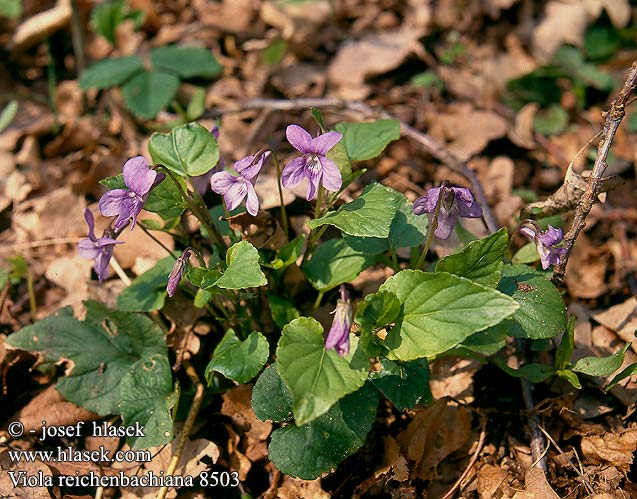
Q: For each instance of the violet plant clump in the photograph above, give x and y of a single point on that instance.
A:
(259, 284)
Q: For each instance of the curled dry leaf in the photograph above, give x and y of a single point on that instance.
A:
(466, 130)
(72, 274)
(263, 231)
(566, 22)
(267, 189)
(40, 26)
(7, 489)
(48, 216)
(536, 486)
(372, 55)
(622, 319)
(394, 463)
(615, 447)
(586, 276)
(58, 411)
(490, 479)
(233, 16)
(191, 463)
(295, 488)
(433, 434)
(453, 377)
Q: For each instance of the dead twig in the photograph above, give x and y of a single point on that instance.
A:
(421, 138)
(579, 471)
(190, 421)
(483, 435)
(537, 439)
(612, 119)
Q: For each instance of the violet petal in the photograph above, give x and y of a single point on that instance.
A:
(323, 143)
(300, 138)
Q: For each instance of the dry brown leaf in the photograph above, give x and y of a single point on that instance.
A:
(52, 407)
(484, 76)
(300, 80)
(565, 21)
(267, 189)
(32, 119)
(40, 26)
(522, 133)
(586, 276)
(234, 16)
(238, 407)
(72, 274)
(262, 230)
(295, 488)
(59, 213)
(139, 247)
(453, 377)
(536, 486)
(500, 178)
(190, 464)
(466, 130)
(372, 55)
(394, 463)
(15, 188)
(8, 491)
(614, 447)
(434, 433)
(490, 478)
(69, 100)
(622, 319)
(298, 22)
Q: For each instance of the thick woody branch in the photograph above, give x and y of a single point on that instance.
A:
(613, 118)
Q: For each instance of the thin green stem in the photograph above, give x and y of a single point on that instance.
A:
(31, 291)
(319, 201)
(394, 259)
(430, 232)
(317, 302)
(77, 37)
(284, 217)
(199, 256)
(197, 211)
(168, 250)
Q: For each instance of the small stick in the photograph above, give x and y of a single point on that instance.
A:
(474, 458)
(423, 139)
(77, 36)
(36, 244)
(190, 421)
(537, 439)
(612, 119)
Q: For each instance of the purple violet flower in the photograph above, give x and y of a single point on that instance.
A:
(235, 188)
(202, 182)
(99, 249)
(128, 203)
(313, 165)
(546, 243)
(179, 268)
(456, 201)
(338, 337)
